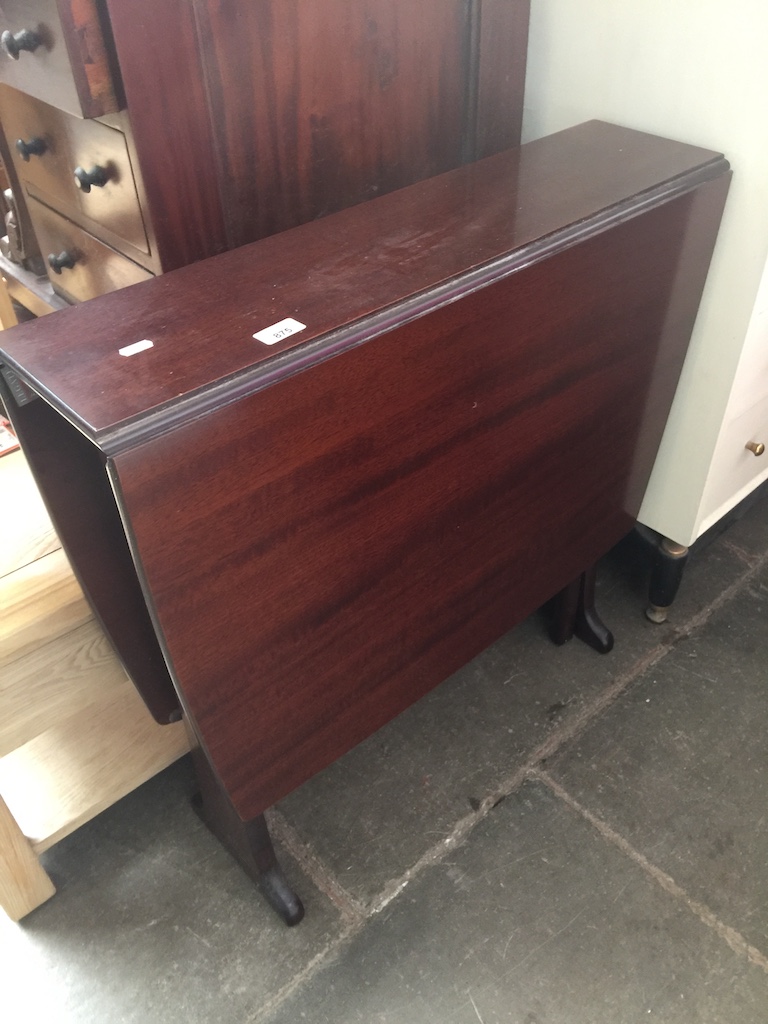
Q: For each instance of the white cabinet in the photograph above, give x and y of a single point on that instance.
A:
(740, 460)
(694, 70)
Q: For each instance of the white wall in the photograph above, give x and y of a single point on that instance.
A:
(694, 70)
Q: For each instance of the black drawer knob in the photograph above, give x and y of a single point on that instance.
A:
(86, 180)
(63, 261)
(14, 43)
(31, 147)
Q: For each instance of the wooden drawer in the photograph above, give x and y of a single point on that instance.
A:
(68, 65)
(66, 144)
(97, 268)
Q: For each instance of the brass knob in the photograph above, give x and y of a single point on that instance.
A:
(756, 447)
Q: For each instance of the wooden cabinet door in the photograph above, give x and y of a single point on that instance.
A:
(339, 102)
(250, 118)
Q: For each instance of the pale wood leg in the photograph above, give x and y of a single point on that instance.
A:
(7, 314)
(24, 884)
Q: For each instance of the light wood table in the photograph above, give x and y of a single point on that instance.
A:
(74, 734)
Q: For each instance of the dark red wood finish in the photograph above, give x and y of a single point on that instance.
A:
(362, 530)
(503, 47)
(245, 118)
(90, 57)
(165, 92)
(250, 118)
(71, 475)
(514, 206)
(328, 528)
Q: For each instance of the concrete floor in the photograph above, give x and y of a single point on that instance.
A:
(551, 837)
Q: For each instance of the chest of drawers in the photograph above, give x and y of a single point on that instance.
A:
(80, 167)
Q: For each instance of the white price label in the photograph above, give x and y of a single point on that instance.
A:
(137, 346)
(280, 331)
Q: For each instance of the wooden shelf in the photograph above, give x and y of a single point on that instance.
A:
(74, 735)
(72, 771)
(41, 602)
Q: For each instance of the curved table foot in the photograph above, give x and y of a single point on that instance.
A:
(249, 842)
(281, 896)
(576, 615)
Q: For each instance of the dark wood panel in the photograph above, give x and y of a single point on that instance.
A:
(249, 118)
(167, 104)
(252, 118)
(503, 43)
(336, 103)
(70, 474)
(334, 546)
(328, 528)
(341, 269)
(86, 32)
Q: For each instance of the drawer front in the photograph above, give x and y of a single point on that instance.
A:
(738, 469)
(54, 50)
(96, 268)
(56, 145)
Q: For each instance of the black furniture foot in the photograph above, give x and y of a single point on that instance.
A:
(668, 560)
(281, 896)
(248, 842)
(575, 615)
(666, 575)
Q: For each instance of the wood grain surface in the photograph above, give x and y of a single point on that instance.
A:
(326, 528)
(71, 476)
(511, 208)
(24, 884)
(250, 118)
(331, 547)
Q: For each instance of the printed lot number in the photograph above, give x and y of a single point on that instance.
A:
(279, 331)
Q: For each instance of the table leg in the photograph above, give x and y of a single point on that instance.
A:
(248, 842)
(24, 885)
(575, 614)
(669, 560)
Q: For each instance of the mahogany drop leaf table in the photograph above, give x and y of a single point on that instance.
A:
(305, 481)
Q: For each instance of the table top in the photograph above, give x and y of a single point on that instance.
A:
(134, 362)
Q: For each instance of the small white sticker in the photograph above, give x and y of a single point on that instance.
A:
(137, 346)
(279, 332)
